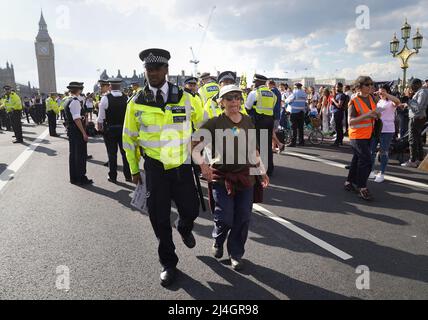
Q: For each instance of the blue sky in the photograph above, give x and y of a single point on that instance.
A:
(277, 38)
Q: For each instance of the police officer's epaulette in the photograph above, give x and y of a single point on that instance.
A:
(144, 96)
(215, 97)
(131, 97)
(175, 93)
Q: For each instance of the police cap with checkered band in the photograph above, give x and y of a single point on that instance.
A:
(155, 57)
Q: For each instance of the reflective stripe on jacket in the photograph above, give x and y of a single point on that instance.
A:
(362, 129)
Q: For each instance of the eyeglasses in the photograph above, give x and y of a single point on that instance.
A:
(232, 97)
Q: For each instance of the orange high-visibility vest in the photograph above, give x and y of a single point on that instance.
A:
(362, 129)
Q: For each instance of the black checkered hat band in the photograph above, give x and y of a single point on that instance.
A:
(151, 58)
(228, 77)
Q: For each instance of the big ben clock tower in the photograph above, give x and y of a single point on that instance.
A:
(45, 58)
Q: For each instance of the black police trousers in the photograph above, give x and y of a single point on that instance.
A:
(163, 186)
(113, 141)
(77, 156)
(15, 118)
(265, 123)
(52, 123)
(5, 120)
(297, 125)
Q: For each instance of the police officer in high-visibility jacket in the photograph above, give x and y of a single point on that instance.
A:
(4, 117)
(13, 106)
(263, 101)
(158, 125)
(212, 107)
(52, 110)
(361, 115)
(297, 102)
(63, 98)
(209, 87)
(135, 87)
(199, 115)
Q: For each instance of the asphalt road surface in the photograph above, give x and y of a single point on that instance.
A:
(309, 240)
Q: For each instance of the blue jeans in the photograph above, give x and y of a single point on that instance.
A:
(385, 143)
(232, 214)
(361, 162)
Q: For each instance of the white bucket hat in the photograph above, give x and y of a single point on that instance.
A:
(229, 88)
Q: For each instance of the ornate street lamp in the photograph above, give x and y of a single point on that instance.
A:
(405, 52)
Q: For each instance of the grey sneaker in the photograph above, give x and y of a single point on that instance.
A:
(410, 164)
(217, 252)
(237, 264)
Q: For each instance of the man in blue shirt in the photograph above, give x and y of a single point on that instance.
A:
(298, 105)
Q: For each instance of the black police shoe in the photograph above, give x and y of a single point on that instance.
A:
(217, 251)
(18, 141)
(236, 263)
(89, 157)
(112, 180)
(189, 240)
(168, 276)
(86, 182)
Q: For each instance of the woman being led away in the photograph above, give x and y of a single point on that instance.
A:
(235, 168)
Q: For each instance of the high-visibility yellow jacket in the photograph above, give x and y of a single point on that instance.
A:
(52, 105)
(13, 102)
(163, 134)
(199, 115)
(208, 90)
(265, 101)
(2, 103)
(61, 104)
(214, 109)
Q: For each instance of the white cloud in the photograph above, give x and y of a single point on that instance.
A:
(363, 42)
(376, 45)
(378, 71)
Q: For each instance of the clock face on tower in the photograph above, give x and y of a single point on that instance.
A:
(43, 49)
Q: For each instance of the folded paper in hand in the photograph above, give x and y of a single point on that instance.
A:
(139, 201)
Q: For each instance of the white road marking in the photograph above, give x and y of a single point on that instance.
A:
(13, 168)
(317, 159)
(339, 165)
(296, 190)
(337, 252)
